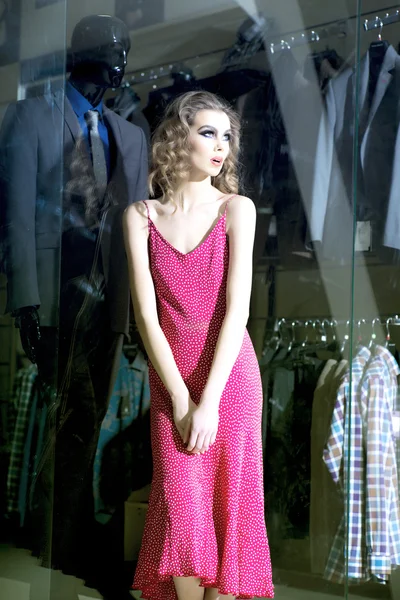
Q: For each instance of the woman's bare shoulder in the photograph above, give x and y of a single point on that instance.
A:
(136, 213)
(242, 205)
(241, 214)
(237, 199)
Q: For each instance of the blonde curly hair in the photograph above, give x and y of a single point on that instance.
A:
(171, 151)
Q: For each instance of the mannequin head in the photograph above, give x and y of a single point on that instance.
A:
(100, 45)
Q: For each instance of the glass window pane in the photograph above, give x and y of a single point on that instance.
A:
(84, 86)
(33, 65)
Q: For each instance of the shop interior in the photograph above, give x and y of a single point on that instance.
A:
(325, 283)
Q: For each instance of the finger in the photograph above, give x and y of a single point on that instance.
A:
(213, 438)
(192, 441)
(199, 443)
(206, 443)
(186, 431)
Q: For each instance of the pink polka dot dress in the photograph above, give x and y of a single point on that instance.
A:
(206, 512)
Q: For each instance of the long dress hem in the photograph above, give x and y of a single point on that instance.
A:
(205, 583)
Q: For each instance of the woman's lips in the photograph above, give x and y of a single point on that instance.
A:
(216, 161)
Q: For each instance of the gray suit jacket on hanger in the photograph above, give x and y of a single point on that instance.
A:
(37, 139)
(330, 208)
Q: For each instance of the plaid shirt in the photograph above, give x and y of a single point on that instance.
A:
(22, 391)
(346, 425)
(378, 401)
(368, 473)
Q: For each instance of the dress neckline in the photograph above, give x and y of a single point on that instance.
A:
(199, 245)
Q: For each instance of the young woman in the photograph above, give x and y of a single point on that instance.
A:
(190, 263)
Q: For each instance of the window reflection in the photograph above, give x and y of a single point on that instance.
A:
(316, 87)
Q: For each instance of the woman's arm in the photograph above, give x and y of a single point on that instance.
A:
(241, 223)
(145, 305)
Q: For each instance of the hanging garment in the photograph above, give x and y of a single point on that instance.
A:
(289, 384)
(343, 429)
(22, 396)
(113, 480)
(278, 154)
(26, 461)
(127, 105)
(278, 382)
(330, 205)
(393, 400)
(326, 504)
(228, 84)
(382, 517)
(360, 455)
(36, 451)
(206, 512)
(323, 66)
(297, 442)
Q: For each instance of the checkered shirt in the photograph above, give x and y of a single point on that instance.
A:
(369, 476)
(21, 400)
(346, 425)
(382, 491)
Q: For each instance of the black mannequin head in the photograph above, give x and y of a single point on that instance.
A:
(99, 45)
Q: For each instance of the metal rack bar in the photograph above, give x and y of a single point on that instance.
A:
(292, 39)
(339, 29)
(388, 19)
(332, 28)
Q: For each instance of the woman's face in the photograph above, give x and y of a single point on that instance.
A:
(209, 142)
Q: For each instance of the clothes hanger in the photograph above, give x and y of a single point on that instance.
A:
(378, 49)
(275, 344)
(374, 337)
(393, 334)
(345, 336)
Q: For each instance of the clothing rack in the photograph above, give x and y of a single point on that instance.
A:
(337, 28)
(327, 321)
(321, 330)
(388, 19)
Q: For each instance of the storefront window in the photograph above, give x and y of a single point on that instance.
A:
(83, 88)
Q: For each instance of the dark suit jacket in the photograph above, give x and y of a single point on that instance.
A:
(330, 205)
(36, 142)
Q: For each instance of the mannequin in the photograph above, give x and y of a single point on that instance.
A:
(99, 46)
(67, 276)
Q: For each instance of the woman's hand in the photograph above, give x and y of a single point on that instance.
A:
(201, 428)
(182, 409)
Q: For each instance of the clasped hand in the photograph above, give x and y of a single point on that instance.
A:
(197, 425)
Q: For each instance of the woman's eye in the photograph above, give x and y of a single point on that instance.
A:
(209, 133)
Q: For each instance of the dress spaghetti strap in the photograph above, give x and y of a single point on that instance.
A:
(147, 209)
(228, 202)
